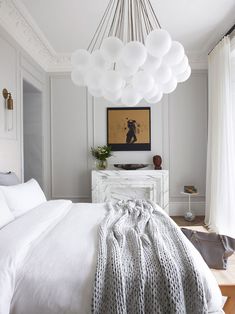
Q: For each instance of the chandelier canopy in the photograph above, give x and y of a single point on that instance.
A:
(130, 57)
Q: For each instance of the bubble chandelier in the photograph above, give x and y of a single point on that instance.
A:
(130, 57)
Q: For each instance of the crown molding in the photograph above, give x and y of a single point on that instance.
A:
(197, 60)
(61, 63)
(17, 21)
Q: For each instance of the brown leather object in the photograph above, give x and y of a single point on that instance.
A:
(214, 248)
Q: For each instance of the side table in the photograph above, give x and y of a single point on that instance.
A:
(189, 216)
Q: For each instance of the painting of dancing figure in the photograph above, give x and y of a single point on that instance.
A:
(129, 129)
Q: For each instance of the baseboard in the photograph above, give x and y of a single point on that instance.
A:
(179, 208)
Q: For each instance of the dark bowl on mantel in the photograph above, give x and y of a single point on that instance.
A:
(130, 166)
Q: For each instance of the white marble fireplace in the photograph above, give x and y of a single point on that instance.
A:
(113, 185)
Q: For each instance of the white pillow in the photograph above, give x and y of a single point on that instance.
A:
(23, 197)
(6, 215)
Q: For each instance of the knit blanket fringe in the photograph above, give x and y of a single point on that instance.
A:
(143, 264)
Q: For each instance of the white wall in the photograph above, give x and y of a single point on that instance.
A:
(69, 144)
(9, 140)
(179, 134)
(187, 141)
(15, 66)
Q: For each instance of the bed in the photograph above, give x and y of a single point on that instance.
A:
(48, 260)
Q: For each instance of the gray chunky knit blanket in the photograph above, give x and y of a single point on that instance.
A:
(143, 265)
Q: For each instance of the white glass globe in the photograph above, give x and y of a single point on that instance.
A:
(163, 74)
(93, 79)
(153, 92)
(98, 61)
(78, 77)
(170, 86)
(112, 96)
(130, 97)
(175, 54)
(143, 82)
(81, 59)
(154, 99)
(152, 64)
(111, 48)
(184, 76)
(134, 54)
(126, 71)
(129, 80)
(180, 67)
(158, 43)
(112, 81)
(95, 92)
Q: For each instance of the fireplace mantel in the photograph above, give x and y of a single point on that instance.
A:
(114, 185)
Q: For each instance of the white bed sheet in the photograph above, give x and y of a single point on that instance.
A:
(48, 259)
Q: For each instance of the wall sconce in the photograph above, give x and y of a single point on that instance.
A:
(9, 108)
(8, 99)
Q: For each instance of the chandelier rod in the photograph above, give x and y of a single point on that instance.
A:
(111, 30)
(129, 20)
(122, 19)
(118, 28)
(154, 14)
(140, 23)
(144, 18)
(108, 23)
(136, 22)
(145, 11)
(100, 24)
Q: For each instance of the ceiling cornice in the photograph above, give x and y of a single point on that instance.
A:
(197, 59)
(17, 21)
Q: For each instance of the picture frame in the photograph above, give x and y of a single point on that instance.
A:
(129, 129)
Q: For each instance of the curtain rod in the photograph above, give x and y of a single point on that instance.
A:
(228, 33)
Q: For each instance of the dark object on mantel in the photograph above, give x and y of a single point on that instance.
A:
(214, 248)
(130, 166)
(157, 161)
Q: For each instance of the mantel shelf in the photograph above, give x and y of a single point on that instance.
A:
(114, 185)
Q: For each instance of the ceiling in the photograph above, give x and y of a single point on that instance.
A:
(70, 24)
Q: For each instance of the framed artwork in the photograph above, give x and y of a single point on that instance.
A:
(129, 129)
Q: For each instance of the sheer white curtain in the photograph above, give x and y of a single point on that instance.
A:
(220, 187)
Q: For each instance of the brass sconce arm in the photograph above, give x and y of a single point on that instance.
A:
(9, 101)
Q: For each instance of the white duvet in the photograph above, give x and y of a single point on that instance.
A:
(48, 259)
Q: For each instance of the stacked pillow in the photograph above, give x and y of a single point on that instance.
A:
(8, 178)
(17, 199)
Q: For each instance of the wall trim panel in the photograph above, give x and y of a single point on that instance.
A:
(54, 194)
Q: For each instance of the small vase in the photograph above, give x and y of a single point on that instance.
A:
(101, 164)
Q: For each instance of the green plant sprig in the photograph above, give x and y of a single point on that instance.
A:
(101, 152)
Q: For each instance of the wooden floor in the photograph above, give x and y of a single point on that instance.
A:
(198, 221)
